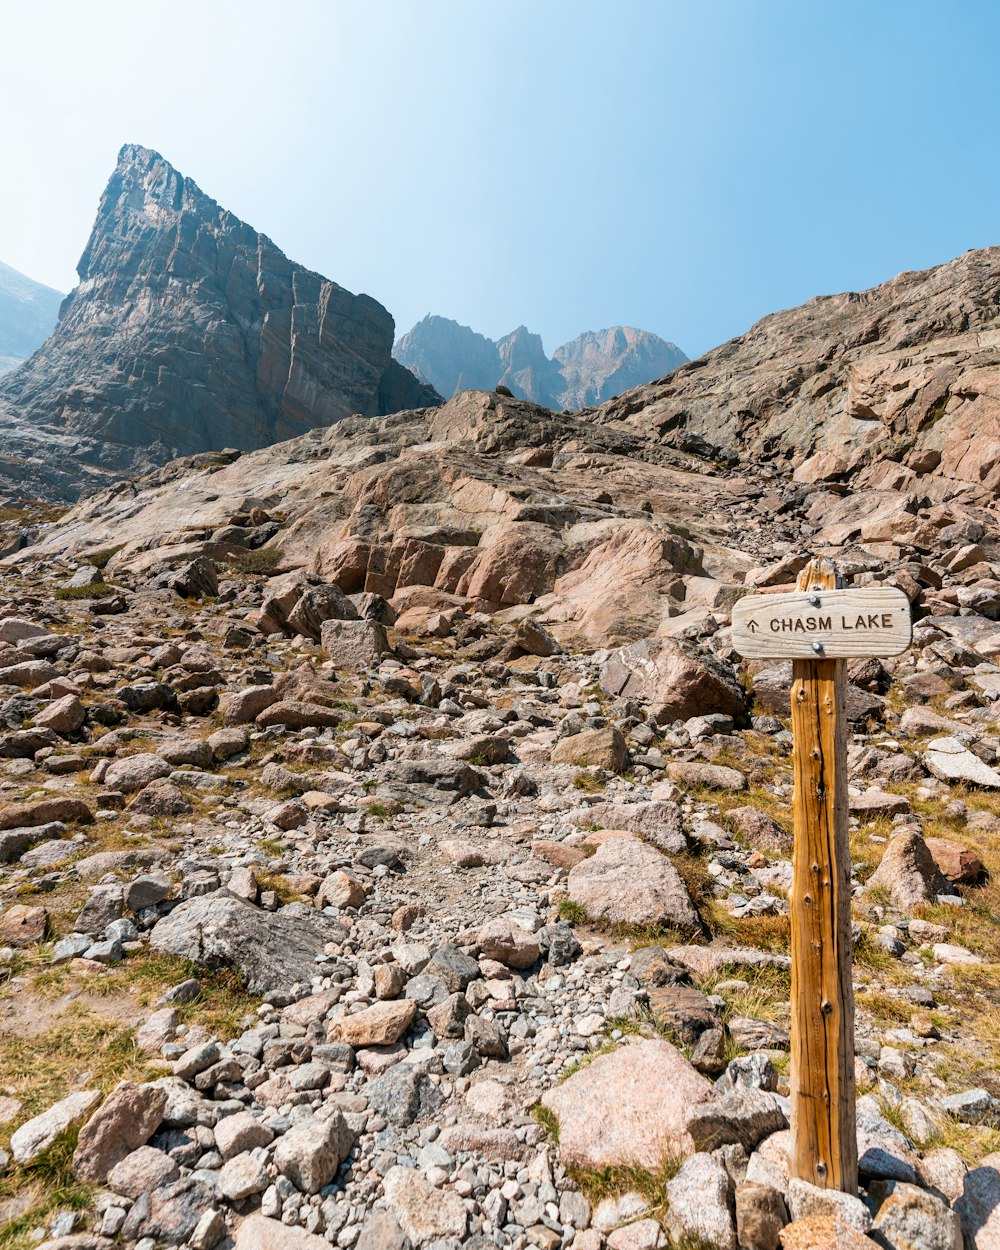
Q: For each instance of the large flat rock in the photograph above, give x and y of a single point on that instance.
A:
(273, 950)
(631, 1106)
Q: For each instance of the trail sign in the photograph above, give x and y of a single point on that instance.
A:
(819, 626)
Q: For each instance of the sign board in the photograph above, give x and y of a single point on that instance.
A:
(823, 624)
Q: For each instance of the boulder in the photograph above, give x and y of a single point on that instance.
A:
(382, 1024)
(62, 716)
(135, 771)
(317, 605)
(37, 1134)
(910, 1218)
(955, 861)
(42, 812)
(608, 1118)
(424, 1212)
(244, 706)
(950, 761)
(355, 645)
(310, 1153)
(504, 940)
(274, 951)
(126, 1120)
(658, 821)
(908, 872)
(760, 830)
(675, 678)
(628, 882)
(299, 714)
(698, 1203)
(595, 748)
(257, 1232)
(978, 1207)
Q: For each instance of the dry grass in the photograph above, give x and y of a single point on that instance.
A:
(42, 1189)
(611, 1182)
(42, 1068)
(145, 977)
(883, 1008)
(766, 933)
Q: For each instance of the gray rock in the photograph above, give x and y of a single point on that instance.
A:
(698, 1198)
(274, 951)
(310, 1153)
(403, 1095)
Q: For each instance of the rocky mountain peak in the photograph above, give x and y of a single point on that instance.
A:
(588, 370)
(190, 331)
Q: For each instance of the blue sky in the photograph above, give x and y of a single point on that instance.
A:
(569, 164)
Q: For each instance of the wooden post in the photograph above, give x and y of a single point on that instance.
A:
(824, 1132)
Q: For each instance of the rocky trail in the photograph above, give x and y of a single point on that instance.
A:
(395, 852)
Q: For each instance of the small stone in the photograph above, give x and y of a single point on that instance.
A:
(424, 1212)
(141, 1172)
(698, 1203)
(382, 1024)
(310, 1153)
(37, 1134)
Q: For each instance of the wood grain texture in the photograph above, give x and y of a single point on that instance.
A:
(859, 621)
(824, 1133)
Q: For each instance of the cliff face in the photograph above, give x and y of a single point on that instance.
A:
(189, 331)
(588, 370)
(902, 379)
(28, 311)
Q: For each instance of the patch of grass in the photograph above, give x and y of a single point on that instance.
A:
(101, 559)
(589, 783)
(263, 560)
(271, 846)
(378, 810)
(369, 786)
(277, 882)
(42, 1068)
(693, 870)
(972, 1142)
(611, 1182)
(869, 955)
(773, 981)
(97, 591)
(572, 912)
(767, 933)
(548, 1121)
(879, 895)
(883, 1008)
(49, 1186)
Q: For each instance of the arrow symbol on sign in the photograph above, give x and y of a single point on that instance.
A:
(752, 625)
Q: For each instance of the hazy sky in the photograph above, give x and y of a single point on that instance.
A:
(570, 164)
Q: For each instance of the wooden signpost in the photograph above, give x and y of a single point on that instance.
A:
(819, 626)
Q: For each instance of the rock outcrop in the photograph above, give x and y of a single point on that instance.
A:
(893, 386)
(28, 312)
(588, 370)
(188, 332)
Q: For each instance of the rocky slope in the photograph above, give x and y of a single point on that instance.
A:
(588, 370)
(891, 384)
(28, 312)
(189, 332)
(396, 852)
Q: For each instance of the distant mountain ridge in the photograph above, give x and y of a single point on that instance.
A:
(28, 313)
(589, 370)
